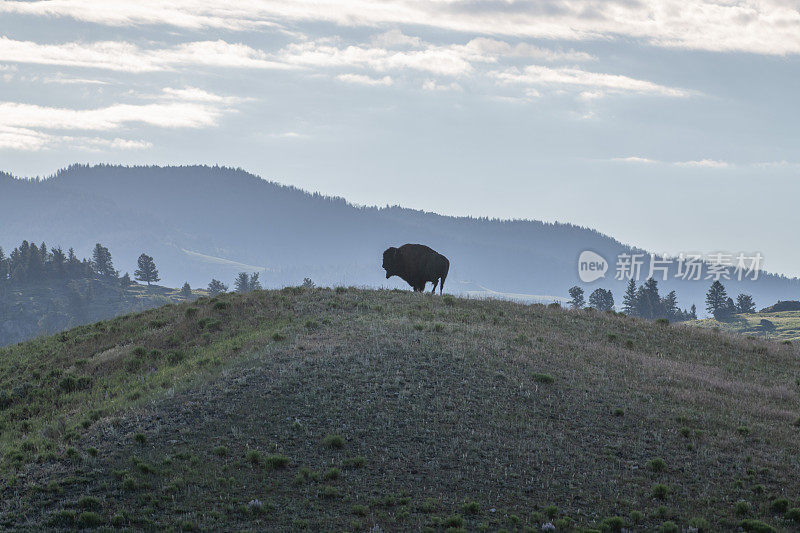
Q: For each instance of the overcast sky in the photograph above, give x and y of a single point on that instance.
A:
(668, 124)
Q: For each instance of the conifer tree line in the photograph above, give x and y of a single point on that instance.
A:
(30, 264)
(643, 301)
(722, 306)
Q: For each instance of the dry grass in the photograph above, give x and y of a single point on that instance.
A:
(442, 402)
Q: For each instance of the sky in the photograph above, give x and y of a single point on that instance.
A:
(668, 124)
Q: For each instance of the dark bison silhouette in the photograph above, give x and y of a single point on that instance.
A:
(416, 264)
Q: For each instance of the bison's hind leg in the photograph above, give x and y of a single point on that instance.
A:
(433, 290)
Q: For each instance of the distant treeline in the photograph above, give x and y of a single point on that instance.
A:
(643, 302)
(46, 290)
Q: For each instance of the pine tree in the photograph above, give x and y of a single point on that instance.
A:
(693, 312)
(745, 304)
(669, 307)
(242, 282)
(101, 262)
(577, 301)
(648, 301)
(254, 284)
(216, 287)
(602, 300)
(147, 270)
(186, 290)
(629, 299)
(716, 297)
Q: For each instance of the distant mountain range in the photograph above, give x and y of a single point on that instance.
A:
(200, 222)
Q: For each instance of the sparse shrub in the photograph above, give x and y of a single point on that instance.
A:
(438, 327)
(359, 510)
(554, 305)
(140, 351)
(278, 336)
(662, 321)
(656, 464)
(685, 432)
(89, 502)
(448, 299)
(797, 422)
(668, 527)
(780, 505)
(757, 526)
(618, 411)
(758, 489)
(542, 378)
(220, 451)
(742, 508)
(743, 430)
(355, 462)
(276, 461)
(636, 516)
(191, 312)
(341, 290)
(419, 327)
(659, 491)
(89, 519)
(333, 441)
(613, 523)
(612, 337)
(174, 357)
(455, 520)
(254, 457)
(128, 483)
(471, 508)
(311, 324)
(331, 473)
(329, 491)
(551, 511)
(64, 517)
(140, 438)
(793, 514)
(220, 306)
(629, 344)
(700, 524)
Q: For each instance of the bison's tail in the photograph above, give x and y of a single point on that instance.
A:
(445, 270)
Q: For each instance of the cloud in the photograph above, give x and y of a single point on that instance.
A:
(704, 163)
(634, 159)
(25, 139)
(35, 127)
(542, 75)
(431, 85)
(128, 57)
(758, 26)
(360, 79)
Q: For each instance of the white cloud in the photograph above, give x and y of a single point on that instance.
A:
(194, 94)
(25, 139)
(495, 48)
(128, 57)
(541, 75)
(360, 79)
(165, 115)
(634, 159)
(704, 163)
(758, 26)
(394, 39)
(431, 85)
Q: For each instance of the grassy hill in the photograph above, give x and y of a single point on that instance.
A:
(331, 410)
(43, 308)
(787, 325)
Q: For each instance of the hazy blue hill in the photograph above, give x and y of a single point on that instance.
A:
(195, 220)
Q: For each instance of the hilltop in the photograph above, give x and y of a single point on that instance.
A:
(343, 409)
(200, 223)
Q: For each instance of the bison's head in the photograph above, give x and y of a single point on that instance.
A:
(391, 263)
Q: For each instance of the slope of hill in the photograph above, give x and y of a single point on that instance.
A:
(786, 325)
(204, 222)
(45, 308)
(347, 409)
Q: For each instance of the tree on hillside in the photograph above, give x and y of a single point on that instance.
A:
(693, 312)
(669, 307)
(101, 262)
(147, 270)
(216, 287)
(716, 298)
(602, 300)
(126, 280)
(186, 290)
(242, 282)
(629, 299)
(745, 304)
(576, 293)
(648, 302)
(254, 284)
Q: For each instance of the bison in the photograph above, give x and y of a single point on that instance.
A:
(416, 264)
